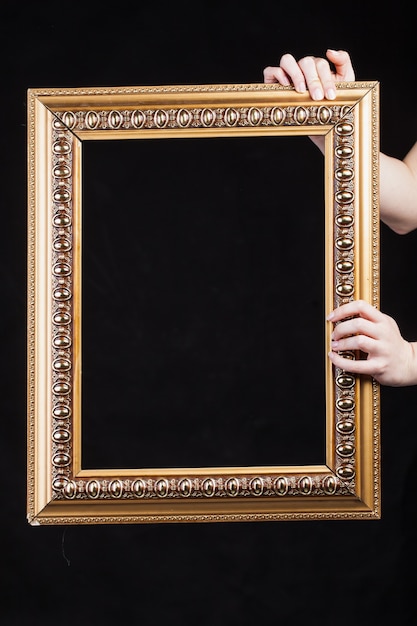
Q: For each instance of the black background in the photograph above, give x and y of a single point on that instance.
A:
(191, 273)
(328, 572)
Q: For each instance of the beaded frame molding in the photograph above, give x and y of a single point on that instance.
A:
(59, 489)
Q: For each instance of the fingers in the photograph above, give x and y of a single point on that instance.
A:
(361, 328)
(309, 74)
(293, 72)
(359, 308)
(319, 78)
(276, 75)
(353, 366)
(385, 354)
(364, 343)
(342, 63)
(358, 326)
(312, 73)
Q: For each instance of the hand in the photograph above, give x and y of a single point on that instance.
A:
(390, 359)
(313, 73)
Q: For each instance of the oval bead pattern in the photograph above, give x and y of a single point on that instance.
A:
(61, 365)
(345, 404)
(61, 318)
(61, 389)
(344, 152)
(61, 435)
(61, 147)
(161, 488)
(59, 483)
(138, 488)
(61, 294)
(61, 171)
(345, 472)
(160, 118)
(345, 449)
(345, 381)
(60, 459)
(281, 486)
(344, 197)
(58, 125)
(62, 244)
(277, 116)
(256, 486)
(116, 488)
(344, 129)
(231, 117)
(185, 487)
(209, 487)
(344, 221)
(344, 243)
(255, 116)
(115, 120)
(61, 411)
(184, 118)
(305, 485)
(61, 342)
(330, 485)
(345, 427)
(69, 118)
(61, 269)
(138, 119)
(344, 236)
(92, 120)
(345, 289)
(324, 114)
(208, 117)
(344, 266)
(61, 193)
(232, 487)
(62, 220)
(344, 174)
(300, 115)
(70, 490)
(93, 489)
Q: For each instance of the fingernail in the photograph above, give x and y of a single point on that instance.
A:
(334, 343)
(331, 94)
(302, 87)
(330, 316)
(317, 94)
(333, 51)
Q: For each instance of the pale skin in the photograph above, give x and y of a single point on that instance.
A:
(359, 326)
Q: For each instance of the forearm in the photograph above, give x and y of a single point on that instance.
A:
(398, 189)
(398, 192)
(411, 378)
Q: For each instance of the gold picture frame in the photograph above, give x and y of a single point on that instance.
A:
(59, 489)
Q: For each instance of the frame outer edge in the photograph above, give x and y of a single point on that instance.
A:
(40, 311)
(368, 223)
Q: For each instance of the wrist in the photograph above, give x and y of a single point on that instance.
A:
(411, 370)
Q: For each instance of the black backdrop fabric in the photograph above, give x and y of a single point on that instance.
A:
(198, 294)
(331, 573)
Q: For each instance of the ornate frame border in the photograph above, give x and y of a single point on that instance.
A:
(60, 491)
